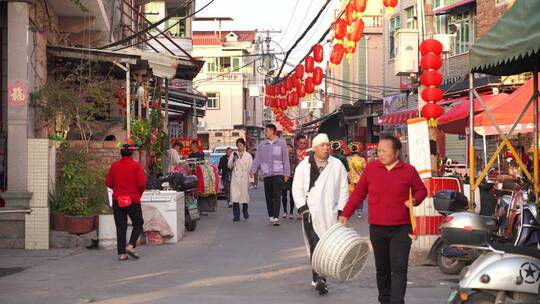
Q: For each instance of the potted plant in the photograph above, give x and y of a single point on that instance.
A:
(58, 200)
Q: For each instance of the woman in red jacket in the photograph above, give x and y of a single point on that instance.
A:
(387, 183)
(127, 180)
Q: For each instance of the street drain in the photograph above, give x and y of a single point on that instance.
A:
(9, 270)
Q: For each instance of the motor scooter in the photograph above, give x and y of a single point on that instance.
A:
(503, 274)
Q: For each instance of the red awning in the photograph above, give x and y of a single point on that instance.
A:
(398, 118)
(506, 113)
(455, 120)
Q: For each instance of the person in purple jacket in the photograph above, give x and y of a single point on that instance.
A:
(273, 159)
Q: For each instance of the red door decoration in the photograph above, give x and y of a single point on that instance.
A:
(431, 79)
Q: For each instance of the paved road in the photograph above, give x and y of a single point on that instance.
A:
(221, 262)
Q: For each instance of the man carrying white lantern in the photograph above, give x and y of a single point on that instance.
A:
(320, 192)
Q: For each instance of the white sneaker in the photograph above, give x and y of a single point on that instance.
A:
(276, 221)
(291, 216)
(271, 220)
(284, 215)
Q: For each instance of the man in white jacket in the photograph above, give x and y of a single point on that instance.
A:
(320, 192)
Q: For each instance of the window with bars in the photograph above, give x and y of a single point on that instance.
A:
(213, 101)
(393, 26)
(212, 64)
(462, 23)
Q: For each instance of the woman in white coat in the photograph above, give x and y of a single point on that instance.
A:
(240, 162)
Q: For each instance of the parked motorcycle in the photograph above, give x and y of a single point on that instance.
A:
(503, 274)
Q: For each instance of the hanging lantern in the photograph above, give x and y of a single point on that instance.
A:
(340, 29)
(267, 101)
(310, 64)
(349, 14)
(431, 78)
(300, 90)
(432, 94)
(274, 103)
(357, 31)
(431, 112)
(282, 89)
(350, 49)
(337, 53)
(299, 72)
(295, 82)
(359, 5)
(431, 46)
(318, 53)
(283, 103)
(309, 86)
(430, 62)
(390, 5)
(292, 99)
(289, 84)
(317, 76)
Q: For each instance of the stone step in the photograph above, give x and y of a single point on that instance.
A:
(62, 240)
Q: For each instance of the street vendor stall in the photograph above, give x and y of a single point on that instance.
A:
(511, 47)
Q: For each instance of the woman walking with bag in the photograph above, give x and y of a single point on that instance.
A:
(127, 180)
(240, 163)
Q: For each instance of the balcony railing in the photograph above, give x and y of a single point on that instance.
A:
(373, 20)
(224, 76)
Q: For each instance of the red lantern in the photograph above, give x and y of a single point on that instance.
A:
(300, 90)
(431, 78)
(357, 31)
(283, 103)
(359, 5)
(390, 3)
(267, 100)
(318, 53)
(282, 89)
(310, 89)
(432, 111)
(292, 99)
(274, 102)
(432, 94)
(340, 29)
(349, 13)
(337, 53)
(350, 49)
(295, 82)
(430, 62)
(431, 46)
(289, 84)
(317, 76)
(299, 71)
(310, 64)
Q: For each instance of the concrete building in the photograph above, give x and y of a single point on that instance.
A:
(232, 85)
(37, 35)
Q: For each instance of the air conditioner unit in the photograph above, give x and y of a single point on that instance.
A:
(446, 41)
(201, 123)
(406, 50)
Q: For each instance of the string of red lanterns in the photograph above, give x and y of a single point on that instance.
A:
(431, 62)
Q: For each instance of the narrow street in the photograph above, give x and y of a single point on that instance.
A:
(221, 262)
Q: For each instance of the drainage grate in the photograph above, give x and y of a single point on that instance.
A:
(10, 270)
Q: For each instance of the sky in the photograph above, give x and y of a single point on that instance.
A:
(290, 16)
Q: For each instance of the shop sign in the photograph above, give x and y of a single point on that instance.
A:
(394, 103)
(17, 95)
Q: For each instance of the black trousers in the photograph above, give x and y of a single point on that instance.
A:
(134, 212)
(236, 210)
(312, 239)
(273, 186)
(391, 246)
(284, 200)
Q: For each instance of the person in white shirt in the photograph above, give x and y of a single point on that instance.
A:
(320, 190)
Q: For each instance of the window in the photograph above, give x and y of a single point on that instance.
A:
(235, 134)
(218, 134)
(411, 18)
(213, 101)
(462, 24)
(212, 64)
(236, 63)
(155, 11)
(440, 24)
(438, 3)
(394, 25)
(179, 29)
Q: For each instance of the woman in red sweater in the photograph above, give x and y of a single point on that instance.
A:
(127, 180)
(386, 182)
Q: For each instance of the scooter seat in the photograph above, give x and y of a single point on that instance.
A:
(509, 248)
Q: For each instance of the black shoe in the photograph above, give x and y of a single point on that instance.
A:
(236, 219)
(246, 215)
(321, 287)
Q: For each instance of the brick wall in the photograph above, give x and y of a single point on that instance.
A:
(103, 152)
(487, 14)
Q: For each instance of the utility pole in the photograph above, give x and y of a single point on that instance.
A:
(267, 57)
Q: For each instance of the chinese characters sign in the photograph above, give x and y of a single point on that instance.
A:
(17, 95)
